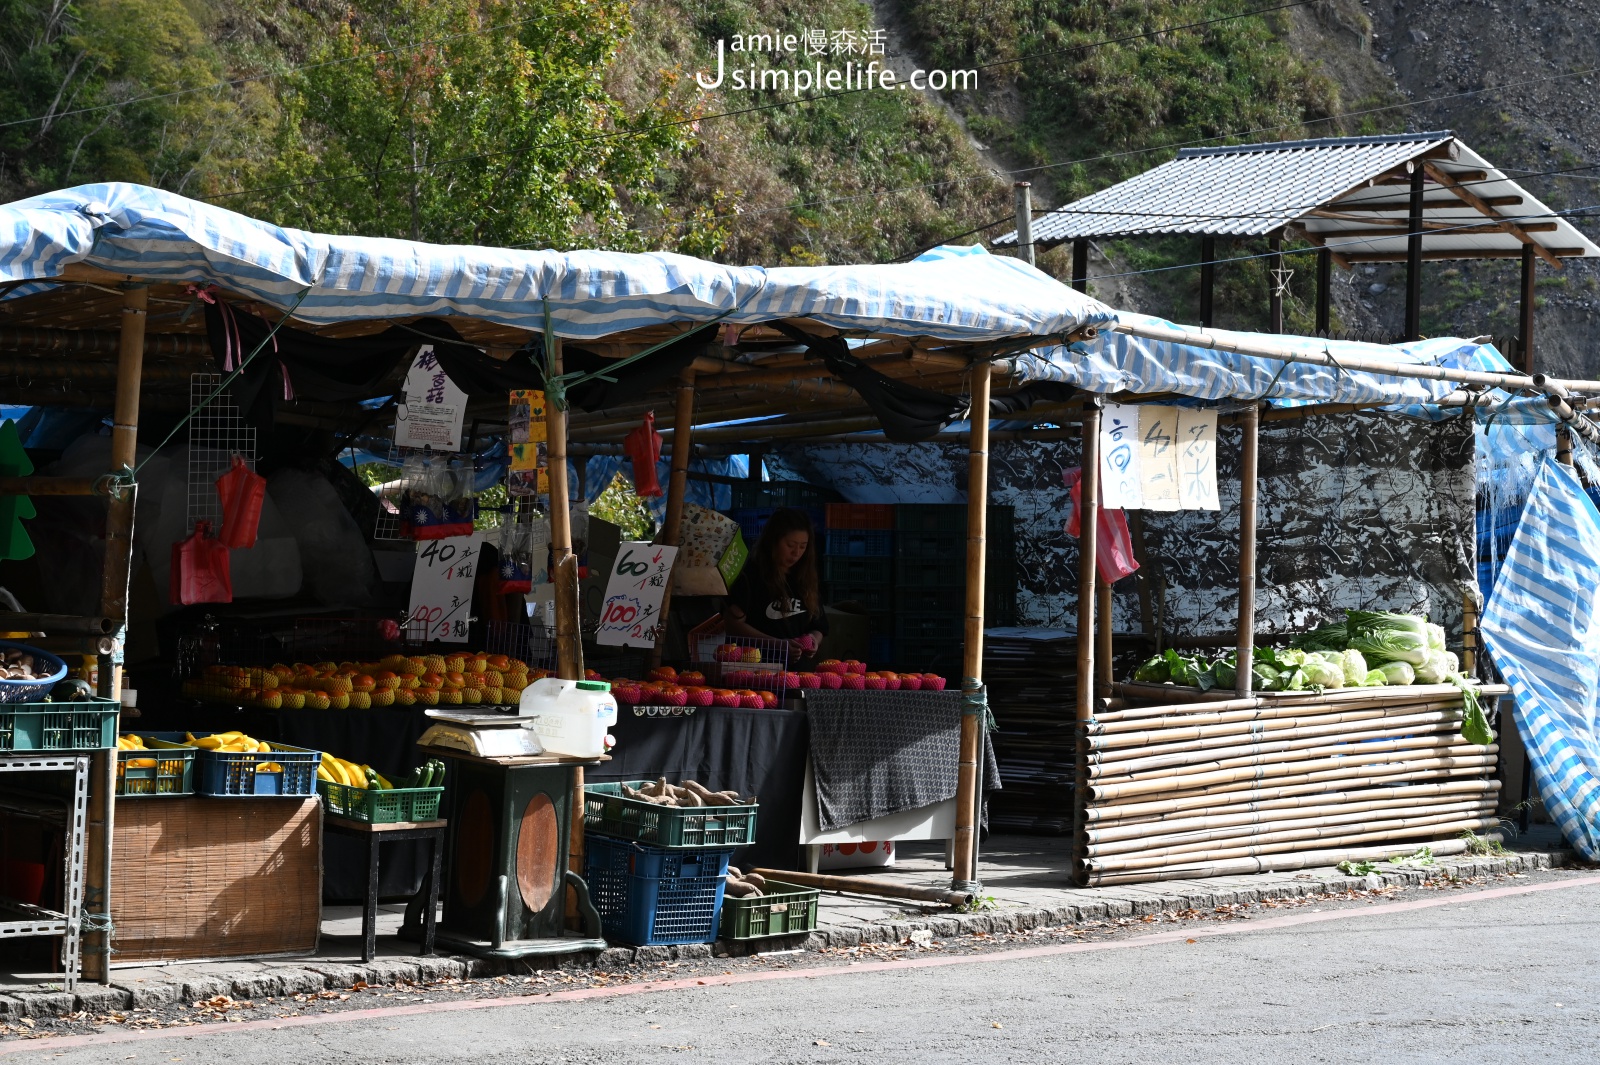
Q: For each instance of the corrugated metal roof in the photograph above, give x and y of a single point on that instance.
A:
(1326, 189)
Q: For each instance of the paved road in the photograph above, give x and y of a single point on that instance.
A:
(1456, 977)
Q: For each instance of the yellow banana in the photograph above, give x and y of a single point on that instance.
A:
(323, 774)
(383, 782)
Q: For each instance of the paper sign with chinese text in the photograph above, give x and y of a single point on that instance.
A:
(1197, 459)
(441, 586)
(1120, 448)
(631, 615)
(434, 409)
(1158, 458)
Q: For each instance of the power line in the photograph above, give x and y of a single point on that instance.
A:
(613, 135)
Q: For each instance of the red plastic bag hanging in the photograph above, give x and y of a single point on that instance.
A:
(200, 572)
(1114, 555)
(643, 448)
(242, 491)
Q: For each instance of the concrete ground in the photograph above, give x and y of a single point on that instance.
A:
(1025, 885)
(1505, 972)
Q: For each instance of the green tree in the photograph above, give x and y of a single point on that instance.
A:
(473, 122)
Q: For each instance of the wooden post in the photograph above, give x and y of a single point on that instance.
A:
(1275, 274)
(677, 488)
(1024, 195)
(1324, 291)
(1469, 634)
(1414, 256)
(1530, 301)
(1564, 443)
(1080, 264)
(114, 605)
(1208, 280)
(1250, 433)
(974, 699)
(1088, 546)
(569, 636)
(1102, 638)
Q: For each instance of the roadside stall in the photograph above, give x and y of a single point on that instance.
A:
(265, 346)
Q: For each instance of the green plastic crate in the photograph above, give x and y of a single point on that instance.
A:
(378, 807)
(171, 777)
(785, 910)
(607, 811)
(87, 725)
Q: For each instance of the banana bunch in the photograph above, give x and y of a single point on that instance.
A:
(339, 771)
(235, 743)
(130, 742)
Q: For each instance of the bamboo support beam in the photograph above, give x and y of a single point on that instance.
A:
(569, 639)
(1436, 843)
(1282, 752)
(677, 489)
(1156, 755)
(969, 795)
(1248, 793)
(54, 486)
(1102, 638)
(1161, 814)
(1442, 756)
(1244, 648)
(868, 885)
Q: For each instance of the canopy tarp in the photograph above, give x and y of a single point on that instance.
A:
(1116, 362)
(160, 236)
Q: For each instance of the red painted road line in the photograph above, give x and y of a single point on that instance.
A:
(56, 1044)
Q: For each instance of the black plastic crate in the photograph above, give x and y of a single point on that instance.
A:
(860, 543)
(947, 572)
(752, 520)
(876, 598)
(930, 545)
(929, 656)
(935, 599)
(782, 494)
(913, 628)
(858, 571)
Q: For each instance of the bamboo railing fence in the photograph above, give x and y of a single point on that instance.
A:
(1194, 787)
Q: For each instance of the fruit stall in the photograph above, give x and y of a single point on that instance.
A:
(278, 701)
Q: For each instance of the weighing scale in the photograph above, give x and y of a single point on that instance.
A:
(492, 735)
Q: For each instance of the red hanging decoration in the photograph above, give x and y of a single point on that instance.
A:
(643, 448)
(242, 492)
(200, 572)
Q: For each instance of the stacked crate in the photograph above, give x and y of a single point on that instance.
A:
(930, 574)
(755, 502)
(858, 566)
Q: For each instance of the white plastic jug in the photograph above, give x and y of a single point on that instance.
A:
(573, 715)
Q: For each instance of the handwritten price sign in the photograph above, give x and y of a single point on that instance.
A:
(1158, 457)
(1197, 459)
(1120, 449)
(631, 615)
(441, 585)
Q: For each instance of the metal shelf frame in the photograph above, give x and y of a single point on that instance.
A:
(18, 919)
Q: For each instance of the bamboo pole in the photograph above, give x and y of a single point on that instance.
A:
(1250, 795)
(1088, 574)
(118, 564)
(1469, 633)
(1300, 767)
(1108, 744)
(1277, 862)
(1307, 823)
(1261, 740)
(867, 885)
(974, 701)
(1102, 633)
(1339, 772)
(1392, 830)
(1231, 749)
(1130, 719)
(1290, 806)
(1250, 446)
(1312, 748)
(1306, 702)
(677, 488)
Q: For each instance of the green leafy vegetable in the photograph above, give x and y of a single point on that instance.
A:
(1398, 673)
(1155, 670)
(1474, 724)
(1439, 668)
(1355, 668)
(1375, 679)
(1350, 868)
(1334, 637)
(1435, 637)
(1364, 622)
(1321, 673)
(1392, 645)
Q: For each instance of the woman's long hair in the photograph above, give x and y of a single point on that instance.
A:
(801, 581)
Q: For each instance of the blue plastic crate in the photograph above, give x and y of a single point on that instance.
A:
(860, 543)
(752, 520)
(225, 774)
(651, 896)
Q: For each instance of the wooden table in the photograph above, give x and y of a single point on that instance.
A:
(427, 898)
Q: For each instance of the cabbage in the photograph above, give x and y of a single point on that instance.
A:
(1326, 638)
(1439, 668)
(1392, 645)
(1266, 677)
(1398, 673)
(1355, 668)
(1321, 673)
(1435, 637)
(1226, 673)
(1376, 678)
(1154, 671)
(1287, 680)
(1366, 622)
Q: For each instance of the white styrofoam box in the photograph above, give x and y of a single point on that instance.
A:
(876, 854)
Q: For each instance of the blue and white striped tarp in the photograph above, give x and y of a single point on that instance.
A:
(592, 294)
(1117, 362)
(1542, 626)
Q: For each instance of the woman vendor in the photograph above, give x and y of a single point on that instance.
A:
(776, 596)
